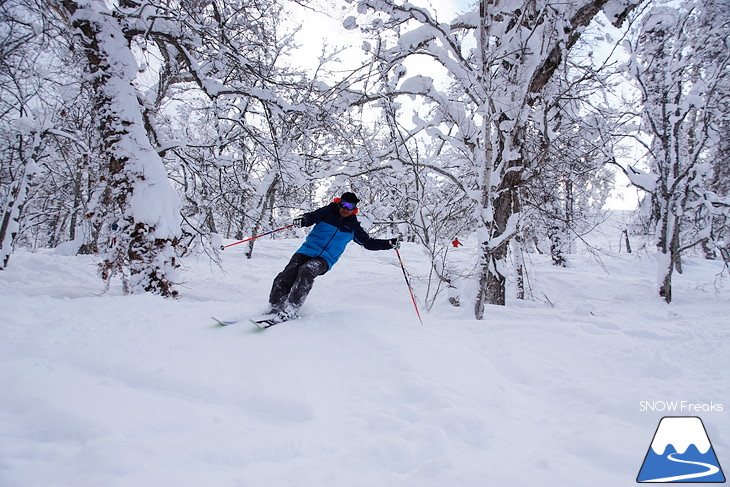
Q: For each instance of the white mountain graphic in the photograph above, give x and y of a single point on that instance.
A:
(681, 452)
(681, 432)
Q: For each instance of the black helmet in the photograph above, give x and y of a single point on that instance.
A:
(349, 197)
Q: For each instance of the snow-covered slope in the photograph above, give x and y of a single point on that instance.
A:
(110, 390)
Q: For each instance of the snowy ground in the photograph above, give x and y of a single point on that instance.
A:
(110, 390)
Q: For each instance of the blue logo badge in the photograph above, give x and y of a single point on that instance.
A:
(681, 452)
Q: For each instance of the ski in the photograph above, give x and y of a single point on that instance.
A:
(260, 322)
(269, 322)
(263, 324)
(222, 322)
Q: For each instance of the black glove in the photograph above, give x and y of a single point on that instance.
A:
(299, 222)
(394, 243)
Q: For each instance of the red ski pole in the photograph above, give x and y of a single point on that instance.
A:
(410, 288)
(257, 236)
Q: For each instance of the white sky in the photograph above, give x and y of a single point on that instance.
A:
(322, 23)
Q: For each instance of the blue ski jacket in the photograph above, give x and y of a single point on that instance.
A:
(332, 233)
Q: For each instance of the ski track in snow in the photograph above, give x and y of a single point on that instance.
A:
(711, 470)
(104, 389)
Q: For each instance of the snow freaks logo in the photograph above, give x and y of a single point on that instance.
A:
(681, 452)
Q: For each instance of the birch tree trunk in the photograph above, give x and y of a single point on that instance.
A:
(17, 196)
(532, 42)
(679, 114)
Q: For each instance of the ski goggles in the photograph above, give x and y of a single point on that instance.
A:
(347, 205)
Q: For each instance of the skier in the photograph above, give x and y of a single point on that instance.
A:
(456, 242)
(335, 225)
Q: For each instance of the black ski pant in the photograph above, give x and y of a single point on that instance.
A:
(293, 284)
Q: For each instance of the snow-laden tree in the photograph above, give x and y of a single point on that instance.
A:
(681, 89)
(568, 182)
(200, 91)
(718, 245)
(138, 206)
(213, 108)
(19, 145)
(46, 107)
(245, 133)
(29, 103)
(714, 15)
(500, 57)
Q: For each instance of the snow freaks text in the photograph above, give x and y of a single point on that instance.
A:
(680, 407)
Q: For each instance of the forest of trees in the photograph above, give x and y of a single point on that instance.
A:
(143, 131)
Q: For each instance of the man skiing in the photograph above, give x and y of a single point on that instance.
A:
(335, 225)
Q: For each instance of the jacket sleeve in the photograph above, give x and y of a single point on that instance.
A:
(315, 216)
(362, 238)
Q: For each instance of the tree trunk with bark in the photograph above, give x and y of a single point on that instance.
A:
(139, 208)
